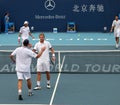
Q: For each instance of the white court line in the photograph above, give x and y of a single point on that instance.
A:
(71, 51)
(93, 55)
(69, 39)
(60, 38)
(6, 50)
(88, 39)
(46, 39)
(57, 81)
(35, 39)
(102, 39)
(66, 44)
(50, 39)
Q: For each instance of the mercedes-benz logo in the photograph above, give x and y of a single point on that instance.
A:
(49, 4)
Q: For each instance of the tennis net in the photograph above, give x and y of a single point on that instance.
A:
(84, 61)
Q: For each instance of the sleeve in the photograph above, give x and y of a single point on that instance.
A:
(28, 29)
(20, 31)
(113, 23)
(49, 45)
(14, 52)
(31, 54)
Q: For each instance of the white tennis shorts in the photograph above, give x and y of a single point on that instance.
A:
(23, 75)
(43, 66)
(117, 33)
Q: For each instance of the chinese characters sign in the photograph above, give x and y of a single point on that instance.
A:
(88, 8)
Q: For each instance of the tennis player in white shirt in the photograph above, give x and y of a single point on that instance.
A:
(43, 63)
(23, 61)
(24, 32)
(116, 27)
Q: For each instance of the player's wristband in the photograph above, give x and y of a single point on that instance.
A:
(18, 37)
(53, 55)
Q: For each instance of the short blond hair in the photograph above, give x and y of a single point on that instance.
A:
(42, 34)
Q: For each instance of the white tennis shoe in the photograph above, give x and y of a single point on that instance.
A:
(30, 94)
(117, 46)
(37, 88)
(48, 86)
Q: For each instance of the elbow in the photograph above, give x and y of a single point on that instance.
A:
(10, 56)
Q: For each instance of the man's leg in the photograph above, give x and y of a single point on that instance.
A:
(117, 42)
(38, 81)
(48, 79)
(20, 89)
(29, 84)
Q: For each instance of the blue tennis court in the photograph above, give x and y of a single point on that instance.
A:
(87, 71)
(79, 40)
(72, 89)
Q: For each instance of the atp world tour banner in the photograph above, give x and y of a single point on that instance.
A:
(44, 15)
(72, 62)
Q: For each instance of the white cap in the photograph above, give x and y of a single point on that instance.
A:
(25, 22)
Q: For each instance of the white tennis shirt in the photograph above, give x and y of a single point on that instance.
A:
(23, 58)
(116, 25)
(24, 32)
(45, 54)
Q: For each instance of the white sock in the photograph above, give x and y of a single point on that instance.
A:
(38, 83)
(29, 90)
(48, 81)
(19, 92)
